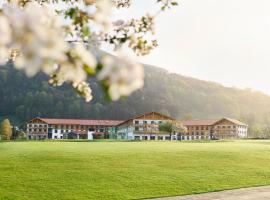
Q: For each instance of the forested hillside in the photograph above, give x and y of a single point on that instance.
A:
(181, 97)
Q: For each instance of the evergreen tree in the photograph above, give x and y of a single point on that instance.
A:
(5, 130)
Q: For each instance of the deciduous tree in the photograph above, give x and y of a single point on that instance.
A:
(5, 130)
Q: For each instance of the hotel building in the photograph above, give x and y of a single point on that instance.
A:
(141, 127)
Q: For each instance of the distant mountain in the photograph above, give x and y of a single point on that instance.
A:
(23, 98)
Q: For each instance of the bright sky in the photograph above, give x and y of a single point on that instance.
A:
(226, 41)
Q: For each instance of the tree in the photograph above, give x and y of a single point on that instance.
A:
(68, 50)
(173, 127)
(5, 130)
(21, 134)
(166, 126)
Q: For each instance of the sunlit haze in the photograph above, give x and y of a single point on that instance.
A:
(226, 41)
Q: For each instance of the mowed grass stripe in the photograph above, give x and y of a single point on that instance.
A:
(129, 170)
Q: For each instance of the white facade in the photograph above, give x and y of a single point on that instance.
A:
(141, 129)
(242, 131)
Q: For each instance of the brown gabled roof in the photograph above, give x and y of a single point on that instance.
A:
(209, 122)
(235, 121)
(87, 122)
(199, 122)
(138, 116)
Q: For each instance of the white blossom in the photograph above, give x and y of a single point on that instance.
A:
(102, 16)
(74, 69)
(122, 75)
(85, 91)
(36, 33)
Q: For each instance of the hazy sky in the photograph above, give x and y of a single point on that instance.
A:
(226, 41)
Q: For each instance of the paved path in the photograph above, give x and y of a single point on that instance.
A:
(254, 193)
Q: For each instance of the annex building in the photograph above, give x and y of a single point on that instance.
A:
(44, 128)
(141, 127)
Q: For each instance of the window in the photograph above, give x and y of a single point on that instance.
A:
(152, 137)
(202, 128)
(61, 137)
(136, 137)
(136, 128)
(206, 128)
(160, 137)
(144, 138)
(145, 122)
(55, 137)
(55, 131)
(152, 122)
(197, 128)
(136, 122)
(167, 138)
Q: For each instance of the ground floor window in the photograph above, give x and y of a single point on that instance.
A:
(55, 137)
(144, 137)
(167, 138)
(160, 137)
(136, 137)
(152, 137)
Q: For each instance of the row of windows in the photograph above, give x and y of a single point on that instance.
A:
(208, 127)
(37, 125)
(35, 130)
(91, 129)
(146, 129)
(198, 127)
(226, 127)
(78, 127)
(152, 137)
(84, 127)
(146, 122)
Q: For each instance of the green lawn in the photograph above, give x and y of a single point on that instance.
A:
(129, 170)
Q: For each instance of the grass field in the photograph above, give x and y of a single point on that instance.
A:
(129, 170)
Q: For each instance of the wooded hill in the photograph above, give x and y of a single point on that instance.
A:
(23, 98)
